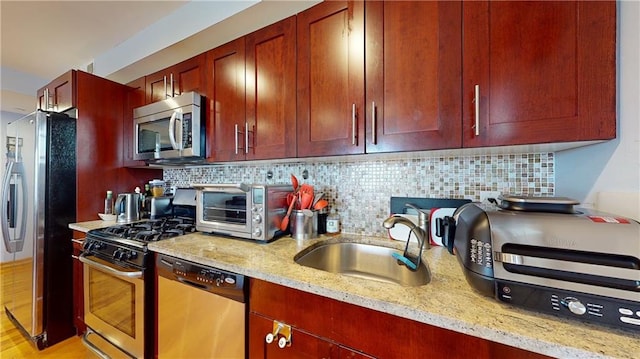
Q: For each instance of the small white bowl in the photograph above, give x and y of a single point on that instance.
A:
(107, 217)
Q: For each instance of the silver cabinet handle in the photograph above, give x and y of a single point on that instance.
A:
(236, 138)
(173, 93)
(46, 99)
(165, 86)
(353, 124)
(477, 105)
(246, 137)
(373, 122)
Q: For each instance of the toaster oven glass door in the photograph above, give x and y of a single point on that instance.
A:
(227, 210)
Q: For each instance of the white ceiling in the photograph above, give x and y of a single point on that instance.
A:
(123, 40)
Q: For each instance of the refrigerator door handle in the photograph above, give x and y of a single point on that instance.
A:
(9, 203)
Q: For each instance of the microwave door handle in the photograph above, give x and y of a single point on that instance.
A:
(172, 131)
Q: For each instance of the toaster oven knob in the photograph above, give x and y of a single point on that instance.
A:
(257, 233)
(257, 218)
(574, 305)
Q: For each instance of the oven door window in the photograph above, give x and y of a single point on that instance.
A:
(113, 301)
(223, 207)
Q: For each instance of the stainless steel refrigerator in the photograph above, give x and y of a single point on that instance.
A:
(38, 202)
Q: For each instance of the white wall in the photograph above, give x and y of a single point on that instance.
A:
(606, 176)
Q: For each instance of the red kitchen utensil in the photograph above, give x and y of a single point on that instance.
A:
(306, 198)
(285, 221)
(294, 182)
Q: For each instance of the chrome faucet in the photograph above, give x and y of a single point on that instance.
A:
(421, 232)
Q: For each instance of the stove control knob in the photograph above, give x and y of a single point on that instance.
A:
(116, 254)
(123, 256)
(574, 305)
(133, 255)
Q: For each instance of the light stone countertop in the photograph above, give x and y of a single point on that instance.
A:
(448, 301)
(87, 226)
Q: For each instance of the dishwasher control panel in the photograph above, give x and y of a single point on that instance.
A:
(207, 278)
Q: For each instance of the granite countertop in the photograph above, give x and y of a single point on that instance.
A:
(447, 302)
(87, 226)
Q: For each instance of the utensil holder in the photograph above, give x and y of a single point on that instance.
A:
(303, 226)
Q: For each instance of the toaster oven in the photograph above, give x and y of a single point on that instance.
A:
(249, 211)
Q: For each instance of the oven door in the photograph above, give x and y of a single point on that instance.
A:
(114, 303)
(224, 209)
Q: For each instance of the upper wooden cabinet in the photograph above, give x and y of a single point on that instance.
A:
(226, 96)
(271, 91)
(59, 95)
(252, 95)
(188, 75)
(413, 75)
(541, 71)
(331, 79)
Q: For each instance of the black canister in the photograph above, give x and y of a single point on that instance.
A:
(322, 220)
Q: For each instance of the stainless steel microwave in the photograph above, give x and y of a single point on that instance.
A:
(171, 130)
(249, 211)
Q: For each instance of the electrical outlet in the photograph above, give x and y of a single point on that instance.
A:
(488, 194)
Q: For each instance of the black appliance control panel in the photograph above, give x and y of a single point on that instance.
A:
(115, 253)
(613, 312)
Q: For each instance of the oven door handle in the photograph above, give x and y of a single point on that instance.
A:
(83, 258)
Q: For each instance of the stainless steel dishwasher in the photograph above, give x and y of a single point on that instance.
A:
(201, 311)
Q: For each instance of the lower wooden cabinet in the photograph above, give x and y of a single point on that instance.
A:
(78, 288)
(327, 328)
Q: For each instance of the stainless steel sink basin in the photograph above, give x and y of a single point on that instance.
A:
(364, 261)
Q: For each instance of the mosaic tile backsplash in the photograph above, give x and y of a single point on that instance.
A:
(360, 190)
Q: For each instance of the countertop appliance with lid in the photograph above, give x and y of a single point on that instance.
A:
(38, 201)
(542, 254)
(171, 131)
(118, 280)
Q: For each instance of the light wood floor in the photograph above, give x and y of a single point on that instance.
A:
(14, 345)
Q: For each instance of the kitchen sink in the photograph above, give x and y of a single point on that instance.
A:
(364, 261)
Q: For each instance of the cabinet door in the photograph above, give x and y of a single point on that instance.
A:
(544, 72)
(413, 75)
(135, 98)
(157, 86)
(59, 94)
(271, 91)
(188, 75)
(303, 345)
(331, 79)
(226, 122)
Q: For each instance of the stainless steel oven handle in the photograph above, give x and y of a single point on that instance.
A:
(83, 258)
(92, 347)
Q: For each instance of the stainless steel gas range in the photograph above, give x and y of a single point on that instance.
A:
(118, 281)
